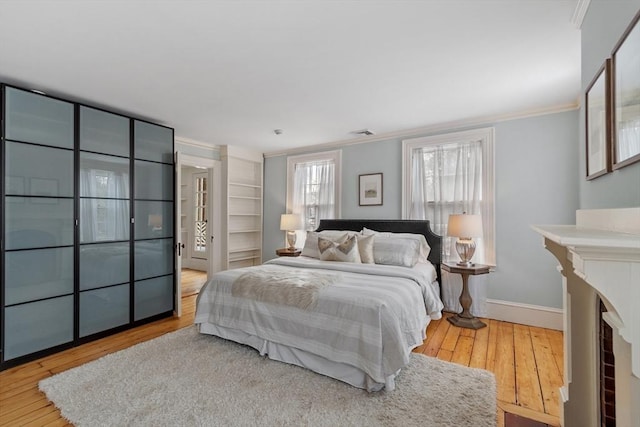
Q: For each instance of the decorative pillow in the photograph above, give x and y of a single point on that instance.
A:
(346, 251)
(365, 247)
(310, 248)
(425, 249)
(402, 251)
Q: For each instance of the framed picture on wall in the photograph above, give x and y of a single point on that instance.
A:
(370, 189)
(598, 123)
(625, 67)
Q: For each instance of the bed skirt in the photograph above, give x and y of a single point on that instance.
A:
(282, 353)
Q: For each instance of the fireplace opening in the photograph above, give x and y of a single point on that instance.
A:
(607, 372)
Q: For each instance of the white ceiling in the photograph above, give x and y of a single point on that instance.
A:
(230, 72)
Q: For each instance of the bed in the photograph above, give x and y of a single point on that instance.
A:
(353, 321)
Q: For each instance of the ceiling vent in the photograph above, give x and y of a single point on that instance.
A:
(363, 132)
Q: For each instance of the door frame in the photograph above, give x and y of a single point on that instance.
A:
(214, 168)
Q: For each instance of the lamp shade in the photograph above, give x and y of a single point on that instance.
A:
(290, 222)
(465, 225)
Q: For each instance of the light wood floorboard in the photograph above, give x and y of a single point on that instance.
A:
(526, 362)
(191, 281)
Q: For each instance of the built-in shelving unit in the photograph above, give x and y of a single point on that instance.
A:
(242, 198)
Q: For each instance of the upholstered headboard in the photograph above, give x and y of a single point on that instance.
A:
(395, 226)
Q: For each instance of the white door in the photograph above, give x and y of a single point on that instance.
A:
(215, 220)
(179, 248)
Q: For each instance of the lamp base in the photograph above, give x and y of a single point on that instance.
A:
(291, 240)
(466, 247)
(466, 264)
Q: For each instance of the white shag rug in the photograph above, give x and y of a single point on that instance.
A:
(188, 379)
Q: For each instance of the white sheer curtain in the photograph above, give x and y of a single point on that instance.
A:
(447, 179)
(313, 194)
(104, 219)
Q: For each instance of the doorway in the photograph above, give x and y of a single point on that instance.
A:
(198, 221)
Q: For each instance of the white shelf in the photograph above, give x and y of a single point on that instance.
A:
(243, 174)
(240, 184)
(243, 250)
(245, 197)
(244, 258)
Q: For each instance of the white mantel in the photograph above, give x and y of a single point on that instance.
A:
(599, 256)
(609, 261)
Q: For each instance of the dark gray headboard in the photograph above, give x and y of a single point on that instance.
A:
(392, 225)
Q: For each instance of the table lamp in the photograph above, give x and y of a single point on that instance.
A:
(465, 227)
(290, 223)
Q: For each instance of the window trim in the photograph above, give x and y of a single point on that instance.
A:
(335, 156)
(487, 136)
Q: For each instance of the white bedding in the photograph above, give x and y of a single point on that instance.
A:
(368, 320)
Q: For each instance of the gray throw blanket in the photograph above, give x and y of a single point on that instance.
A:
(297, 288)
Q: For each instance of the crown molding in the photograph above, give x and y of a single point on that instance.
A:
(195, 143)
(424, 131)
(579, 13)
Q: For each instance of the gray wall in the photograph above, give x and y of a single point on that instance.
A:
(536, 168)
(604, 24)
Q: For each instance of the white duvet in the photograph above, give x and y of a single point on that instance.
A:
(370, 318)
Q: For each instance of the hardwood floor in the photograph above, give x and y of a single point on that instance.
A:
(527, 362)
(191, 281)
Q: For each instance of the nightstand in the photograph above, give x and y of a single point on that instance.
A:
(288, 252)
(466, 319)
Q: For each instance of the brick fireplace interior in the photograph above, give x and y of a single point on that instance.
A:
(607, 372)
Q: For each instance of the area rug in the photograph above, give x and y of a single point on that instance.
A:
(188, 379)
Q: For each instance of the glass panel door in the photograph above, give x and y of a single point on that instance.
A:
(153, 220)
(105, 221)
(200, 197)
(38, 214)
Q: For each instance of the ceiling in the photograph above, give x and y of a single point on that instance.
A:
(231, 72)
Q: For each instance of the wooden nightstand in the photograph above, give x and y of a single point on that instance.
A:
(466, 319)
(288, 252)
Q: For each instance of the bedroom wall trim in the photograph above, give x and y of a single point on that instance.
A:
(579, 13)
(526, 314)
(427, 130)
(195, 143)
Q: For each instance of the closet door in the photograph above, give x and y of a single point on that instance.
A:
(105, 221)
(154, 222)
(39, 299)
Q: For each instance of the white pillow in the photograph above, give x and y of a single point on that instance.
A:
(346, 251)
(310, 248)
(365, 247)
(425, 249)
(401, 251)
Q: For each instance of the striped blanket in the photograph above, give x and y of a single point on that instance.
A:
(370, 318)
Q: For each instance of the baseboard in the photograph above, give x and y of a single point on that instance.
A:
(525, 314)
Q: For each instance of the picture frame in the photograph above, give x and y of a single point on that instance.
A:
(370, 189)
(598, 123)
(625, 88)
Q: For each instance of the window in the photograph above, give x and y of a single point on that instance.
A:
(200, 214)
(313, 188)
(448, 174)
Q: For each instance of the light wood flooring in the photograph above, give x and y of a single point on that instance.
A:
(527, 363)
(191, 281)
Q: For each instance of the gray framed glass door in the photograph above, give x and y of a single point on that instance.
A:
(86, 222)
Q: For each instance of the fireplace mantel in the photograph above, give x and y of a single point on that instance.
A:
(609, 261)
(599, 258)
